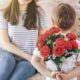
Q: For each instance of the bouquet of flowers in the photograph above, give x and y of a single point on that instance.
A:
(56, 46)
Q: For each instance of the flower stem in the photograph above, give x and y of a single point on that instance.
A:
(58, 67)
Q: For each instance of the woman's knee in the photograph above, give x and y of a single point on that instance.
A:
(7, 63)
(27, 66)
(23, 70)
(7, 58)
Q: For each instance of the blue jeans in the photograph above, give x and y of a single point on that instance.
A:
(12, 70)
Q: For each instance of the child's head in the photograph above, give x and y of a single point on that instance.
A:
(64, 16)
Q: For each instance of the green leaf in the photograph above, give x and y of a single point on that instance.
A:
(46, 59)
(62, 59)
(78, 34)
(61, 36)
(69, 55)
(76, 51)
(57, 60)
(49, 42)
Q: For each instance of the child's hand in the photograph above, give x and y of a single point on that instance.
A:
(78, 63)
(58, 77)
(54, 75)
(63, 76)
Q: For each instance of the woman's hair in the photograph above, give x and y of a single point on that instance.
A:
(64, 16)
(12, 14)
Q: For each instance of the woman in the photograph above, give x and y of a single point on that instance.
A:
(19, 27)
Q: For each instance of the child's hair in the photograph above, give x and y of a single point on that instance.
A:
(64, 16)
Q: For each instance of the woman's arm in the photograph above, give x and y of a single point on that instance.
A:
(8, 46)
(41, 67)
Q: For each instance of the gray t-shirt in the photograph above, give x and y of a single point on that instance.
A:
(25, 39)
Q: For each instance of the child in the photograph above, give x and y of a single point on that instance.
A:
(63, 17)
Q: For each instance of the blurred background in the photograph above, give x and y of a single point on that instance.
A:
(48, 6)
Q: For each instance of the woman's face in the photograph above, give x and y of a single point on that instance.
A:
(24, 2)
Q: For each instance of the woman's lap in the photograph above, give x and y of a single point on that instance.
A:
(7, 64)
(23, 71)
(9, 70)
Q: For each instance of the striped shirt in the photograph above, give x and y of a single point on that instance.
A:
(24, 39)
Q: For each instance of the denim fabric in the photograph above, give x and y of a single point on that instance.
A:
(11, 69)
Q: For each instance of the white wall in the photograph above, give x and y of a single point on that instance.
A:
(49, 5)
(4, 3)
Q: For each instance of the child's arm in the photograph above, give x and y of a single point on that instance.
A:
(67, 76)
(75, 72)
(78, 64)
(41, 67)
